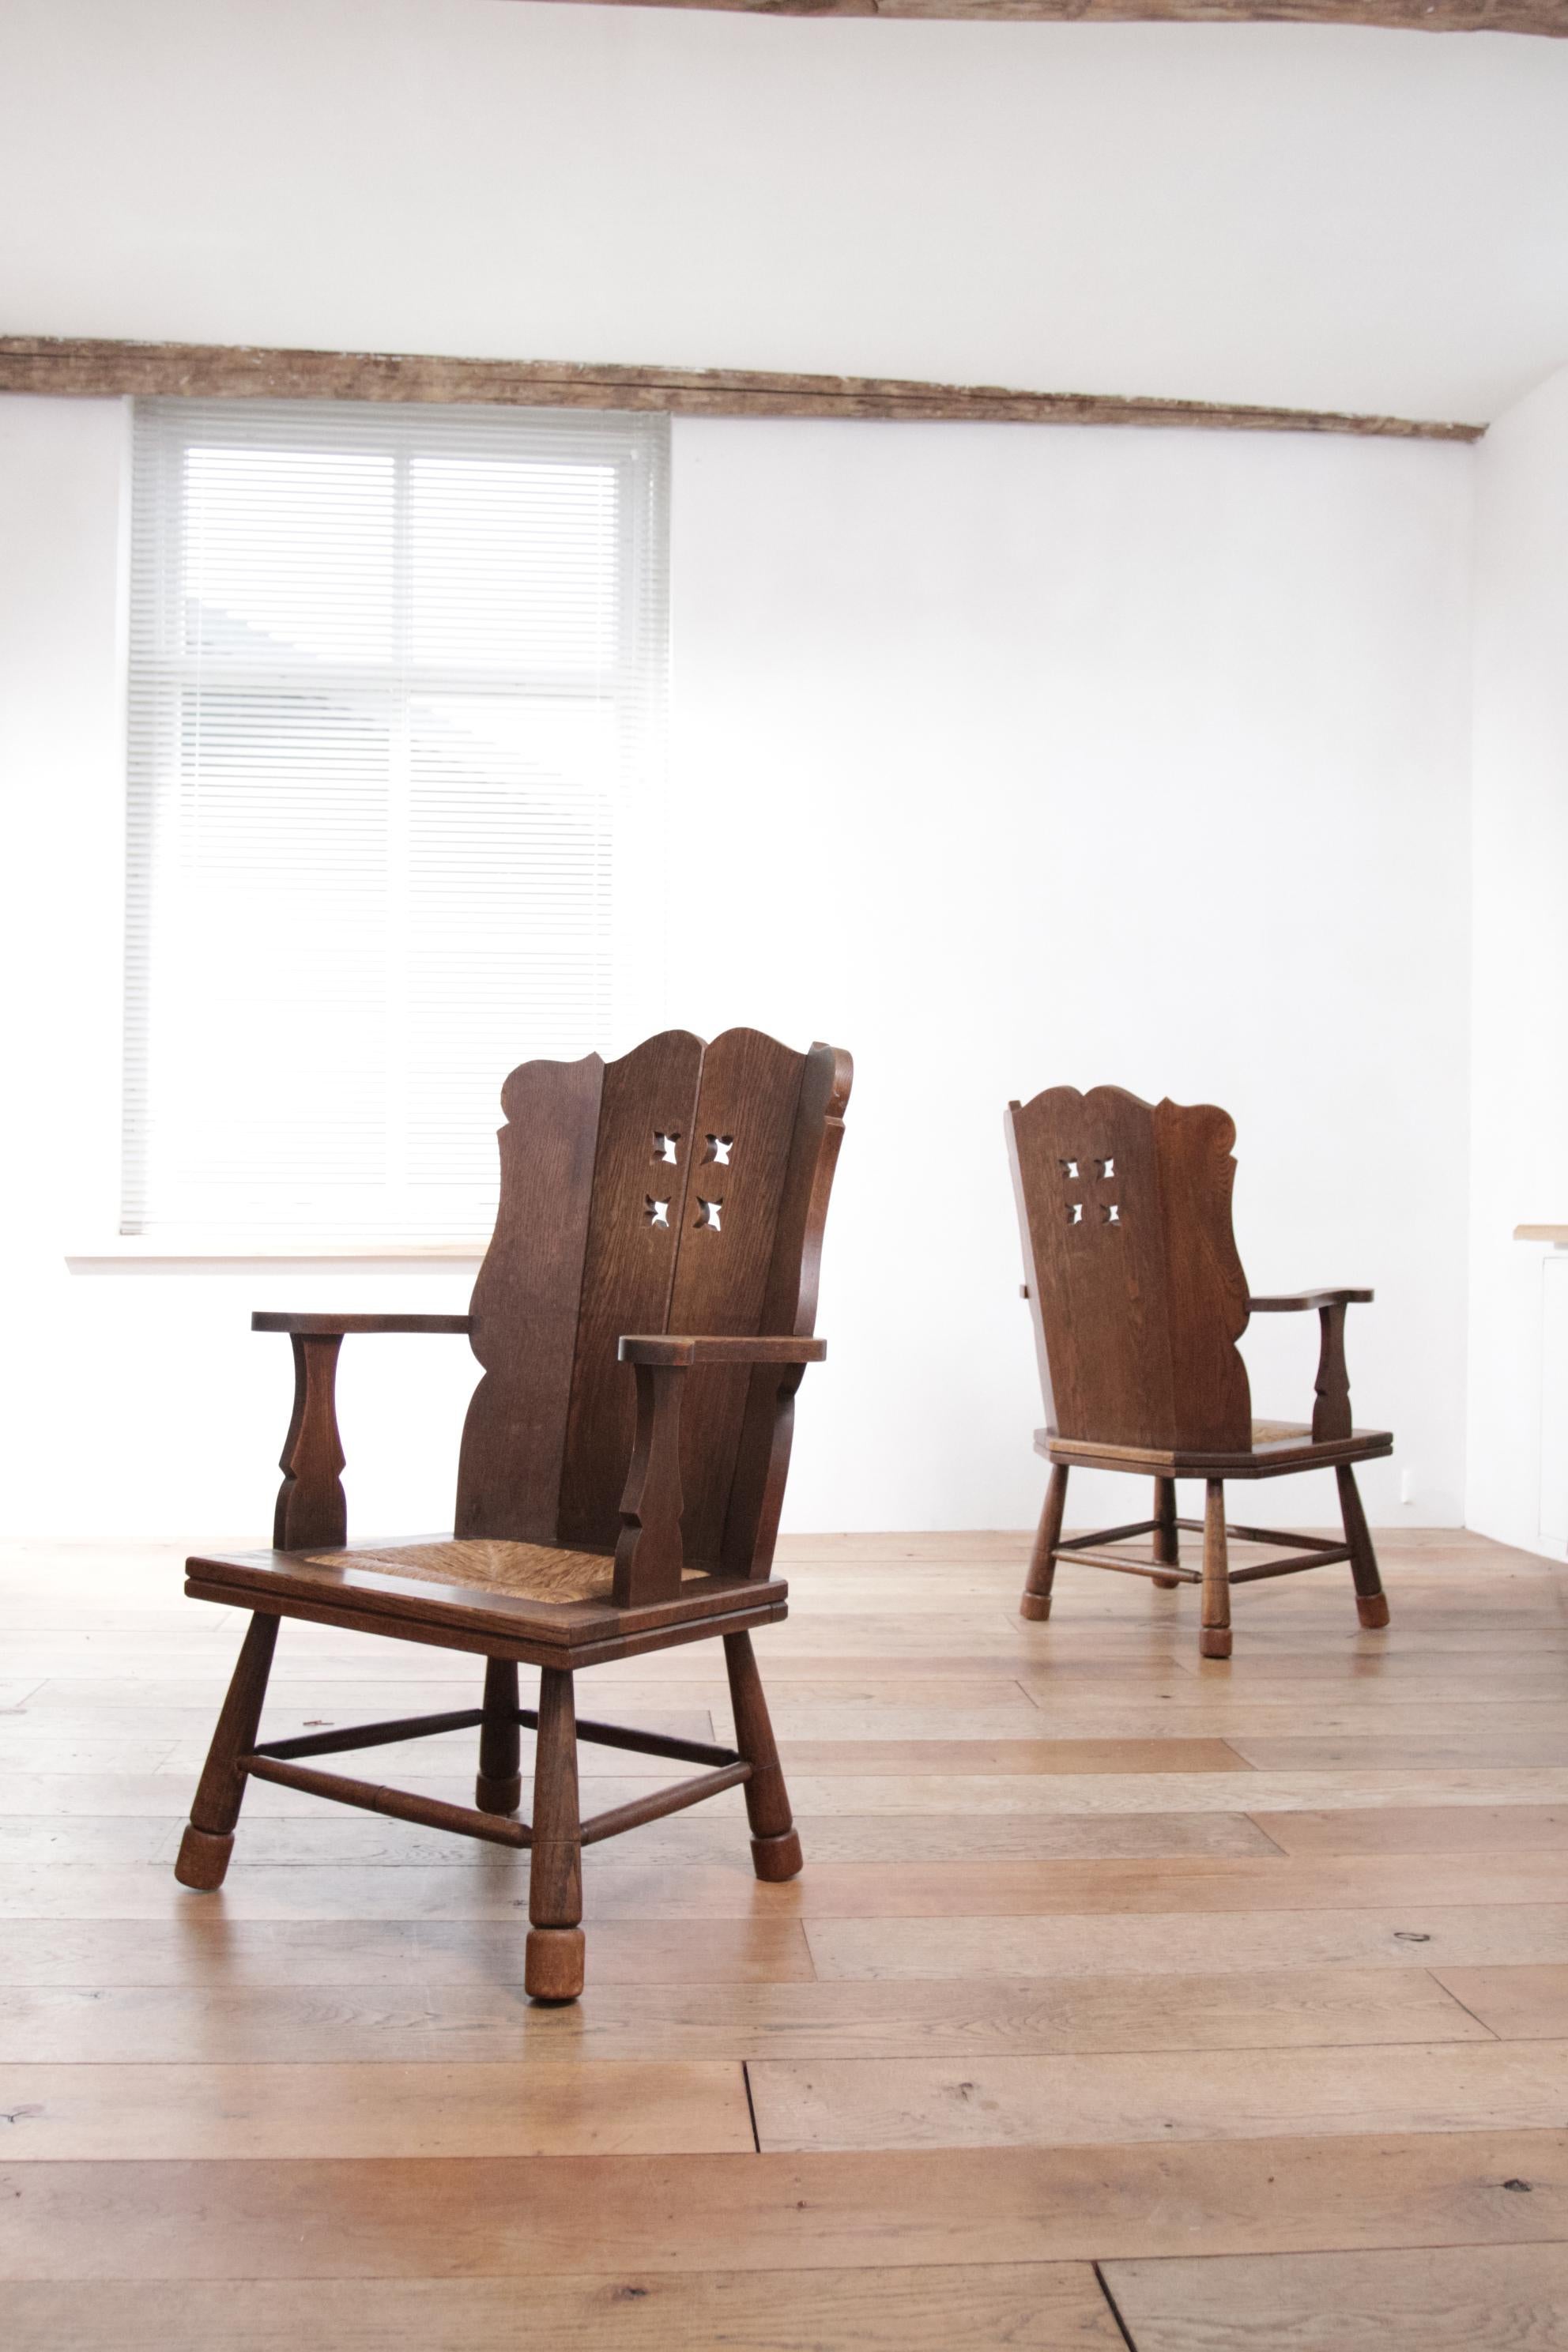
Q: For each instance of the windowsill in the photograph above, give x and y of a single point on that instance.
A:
(137, 1253)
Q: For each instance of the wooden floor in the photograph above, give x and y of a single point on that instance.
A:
(1125, 1998)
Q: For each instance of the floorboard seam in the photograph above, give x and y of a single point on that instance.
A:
(1126, 2333)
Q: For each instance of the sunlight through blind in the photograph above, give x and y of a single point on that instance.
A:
(395, 674)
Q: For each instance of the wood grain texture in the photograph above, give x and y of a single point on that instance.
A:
(1418, 1828)
(961, 1780)
(1155, 1944)
(1442, 2299)
(227, 2112)
(525, 1303)
(1517, 2004)
(1019, 2306)
(746, 1111)
(472, 2022)
(1019, 2101)
(517, 2217)
(1545, 19)
(56, 365)
(432, 1955)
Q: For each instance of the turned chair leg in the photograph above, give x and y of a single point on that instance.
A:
(775, 1843)
(1036, 1600)
(208, 1840)
(1371, 1600)
(553, 1968)
(1214, 1641)
(1167, 1545)
(497, 1788)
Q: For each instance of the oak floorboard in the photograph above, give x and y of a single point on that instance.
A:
(1023, 2101)
(516, 2217)
(494, 1885)
(1518, 2004)
(330, 1837)
(1504, 1743)
(950, 1755)
(1061, 1880)
(689, 1683)
(1418, 1828)
(218, 2022)
(1440, 2299)
(1190, 1944)
(206, 1949)
(999, 2307)
(440, 2108)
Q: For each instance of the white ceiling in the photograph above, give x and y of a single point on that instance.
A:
(1319, 217)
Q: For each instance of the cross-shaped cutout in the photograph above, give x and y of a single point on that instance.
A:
(719, 1150)
(1106, 1167)
(708, 1215)
(1075, 1212)
(1070, 1170)
(664, 1146)
(1112, 1214)
(657, 1212)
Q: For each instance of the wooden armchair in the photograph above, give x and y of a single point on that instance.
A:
(644, 1317)
(1138, 1299)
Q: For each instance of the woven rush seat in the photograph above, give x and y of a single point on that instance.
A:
(533, 1571)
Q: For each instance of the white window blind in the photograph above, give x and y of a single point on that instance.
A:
(396, 678)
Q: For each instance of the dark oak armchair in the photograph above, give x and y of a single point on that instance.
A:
(644, 1317)
(1138, 1299)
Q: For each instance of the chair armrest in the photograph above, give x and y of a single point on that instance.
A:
(1291, 1302)
(1331, 1389)
(312, 1512)
(327, 1327)
(678, 1348)
(649, 1555)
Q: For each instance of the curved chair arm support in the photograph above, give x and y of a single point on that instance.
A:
(312, 1512)
(1332, 1406)
(649, 1556)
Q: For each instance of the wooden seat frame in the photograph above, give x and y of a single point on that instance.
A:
(1139, 1298)
(584, 1249)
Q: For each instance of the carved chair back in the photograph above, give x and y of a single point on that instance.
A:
(1137, 1290)
(681, 1189)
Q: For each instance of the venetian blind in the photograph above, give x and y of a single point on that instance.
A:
(395, 675)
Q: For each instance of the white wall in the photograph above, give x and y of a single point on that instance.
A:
(1327, 216)
(1003, 756)
(1012, 757)
(1519, 1102)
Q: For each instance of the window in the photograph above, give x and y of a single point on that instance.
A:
(396, 685)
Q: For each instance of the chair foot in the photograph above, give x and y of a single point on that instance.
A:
(497, 1796)
(775, 1858)
(1214, 1641)
(1164, 1583)
(552, 1967)
(203, 1859)
(1035, 1607)
(1373, 1609)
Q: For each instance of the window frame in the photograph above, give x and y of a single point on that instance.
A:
(638, 445)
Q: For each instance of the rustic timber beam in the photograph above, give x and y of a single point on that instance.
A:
(1548, 18)
(55, 365)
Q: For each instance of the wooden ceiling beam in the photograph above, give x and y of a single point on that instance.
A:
(54, 365)
(1545, 17)
(1542, 17)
